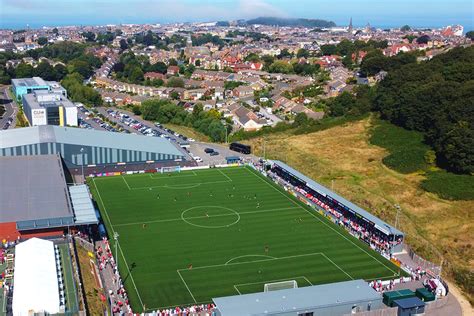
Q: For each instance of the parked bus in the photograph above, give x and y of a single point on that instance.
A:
(241, 148)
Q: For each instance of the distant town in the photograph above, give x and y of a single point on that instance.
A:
(256, 75)
(262, 167)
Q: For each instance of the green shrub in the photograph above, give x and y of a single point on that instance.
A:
(407, 150)
(449, 185)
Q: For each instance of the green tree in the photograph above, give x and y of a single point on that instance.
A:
(45, 71)
(42, 41)
(302, 53)
(80, 66)
(89, 36)
(123, 44)
(301, 119)
(175, 82)
(328, 49)
(470, 35)
(24, 71)
(136, 75)
(281, 67)
(172, 62)
(60, 71)
(252, 57)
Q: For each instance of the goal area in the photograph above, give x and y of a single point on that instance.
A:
(275, 286)
(170, 169)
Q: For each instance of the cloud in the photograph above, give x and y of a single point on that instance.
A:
(256, 8)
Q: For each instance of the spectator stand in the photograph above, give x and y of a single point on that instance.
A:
(379, 235)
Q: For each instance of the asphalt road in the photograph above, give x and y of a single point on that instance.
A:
(10, 109)
(197, 149)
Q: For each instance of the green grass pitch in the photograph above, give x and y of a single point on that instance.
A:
(190, 236)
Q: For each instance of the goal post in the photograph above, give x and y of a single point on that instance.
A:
(283, 285)
(170, 169)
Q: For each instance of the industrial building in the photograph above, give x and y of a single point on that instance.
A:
(35, 199)
(22, 86)
(89, 148)
(42, 107)
(342, 298)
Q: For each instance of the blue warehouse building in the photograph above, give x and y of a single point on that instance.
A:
(83, 147)
(22, 86)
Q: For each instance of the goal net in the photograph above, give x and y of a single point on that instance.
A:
(280, 286)
(170, 169)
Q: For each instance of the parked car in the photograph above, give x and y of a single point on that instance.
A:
(208, 150)
(214, 153)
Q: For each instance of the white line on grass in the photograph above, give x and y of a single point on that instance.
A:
(204, 216)
(322, 253)
(254, 261)
(224, 175)
(176, 186)
(246, 256)
(112, 227)
(178, 175)
(316, 216)
(273, 281)
(185, 284)
(126, 183)
(237, 290)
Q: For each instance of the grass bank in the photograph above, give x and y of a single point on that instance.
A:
(343, 157)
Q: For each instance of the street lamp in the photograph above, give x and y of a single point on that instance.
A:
(82, 163)
(116, 236)
(225, 126)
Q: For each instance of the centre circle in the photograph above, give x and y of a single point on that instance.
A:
(203, 216)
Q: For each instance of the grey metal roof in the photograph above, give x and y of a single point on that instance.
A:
(29, 82)
(380, 224)
(296, 300)
(85, 137)
(82, 205)
(32, 188)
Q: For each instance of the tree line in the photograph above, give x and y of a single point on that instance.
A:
(435, 97)
(207, 122)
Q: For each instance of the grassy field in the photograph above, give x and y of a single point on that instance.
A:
(188, 237)
(343, 157)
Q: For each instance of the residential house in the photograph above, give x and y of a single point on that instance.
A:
(173, 70)
(246, 119)
(154, 75)
(242, 92)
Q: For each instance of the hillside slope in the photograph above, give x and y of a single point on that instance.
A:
(342, 157)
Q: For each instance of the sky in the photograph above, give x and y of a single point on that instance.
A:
(379, 13)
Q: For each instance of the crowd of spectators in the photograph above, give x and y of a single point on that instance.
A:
(201, 310)
(117, 295)
(358, 227)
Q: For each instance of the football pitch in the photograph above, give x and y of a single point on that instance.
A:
(187, 237)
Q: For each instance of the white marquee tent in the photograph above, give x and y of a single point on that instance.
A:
(35, 278)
